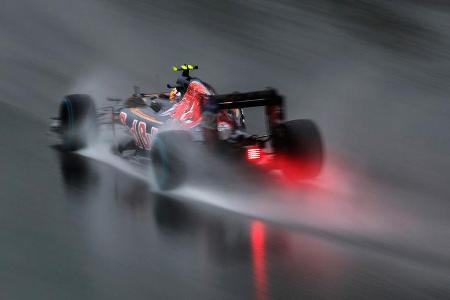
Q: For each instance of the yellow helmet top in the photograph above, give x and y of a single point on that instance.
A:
(185, 67)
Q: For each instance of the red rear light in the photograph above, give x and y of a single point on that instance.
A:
(254, 153)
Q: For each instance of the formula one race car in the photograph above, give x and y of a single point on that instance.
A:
(191, 113)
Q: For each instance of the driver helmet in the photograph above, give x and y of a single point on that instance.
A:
(174, 94)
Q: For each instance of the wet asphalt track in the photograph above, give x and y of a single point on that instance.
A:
(72, 227)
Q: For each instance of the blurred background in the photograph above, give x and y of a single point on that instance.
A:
(373, 74)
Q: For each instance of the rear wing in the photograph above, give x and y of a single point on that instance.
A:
(270, 99)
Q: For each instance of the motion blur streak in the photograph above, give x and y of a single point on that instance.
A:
(373, 74)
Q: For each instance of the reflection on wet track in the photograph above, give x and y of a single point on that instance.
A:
(224, 253)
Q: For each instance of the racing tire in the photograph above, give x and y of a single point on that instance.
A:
(299, 149)
(168, 161)
(77, 114)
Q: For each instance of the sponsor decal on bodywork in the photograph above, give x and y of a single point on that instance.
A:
(145, 116)
(123, 118)
(143, 139)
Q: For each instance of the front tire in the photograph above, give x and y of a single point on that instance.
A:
(77, 114)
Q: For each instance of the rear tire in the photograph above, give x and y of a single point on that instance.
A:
(299, 149)
(78, 121)
(168, 160)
